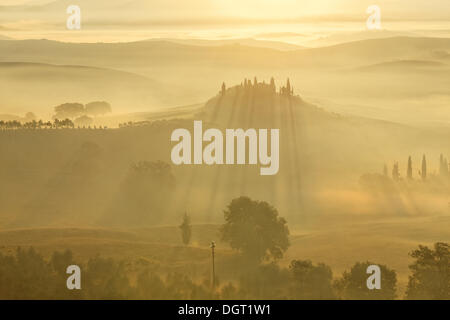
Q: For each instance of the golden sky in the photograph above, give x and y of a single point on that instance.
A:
(402, 9)
(129, 20)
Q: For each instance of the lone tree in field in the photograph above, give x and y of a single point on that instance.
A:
(69, 110)
(255, 229)
(430, 277)
(186, 229)
(98, 108)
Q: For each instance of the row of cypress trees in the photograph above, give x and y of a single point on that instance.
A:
(443, 169)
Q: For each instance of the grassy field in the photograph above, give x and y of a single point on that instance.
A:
(338, 242)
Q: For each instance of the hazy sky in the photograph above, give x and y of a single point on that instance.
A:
(123, 20)
(19, 2)
(402, 9)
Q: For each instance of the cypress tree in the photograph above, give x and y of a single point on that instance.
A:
(409, 171)
(224, 88)
(272, 85)
(445, 167)
(185, 228)
(424, 168)
(395, 173)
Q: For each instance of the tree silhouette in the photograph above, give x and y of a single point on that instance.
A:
(409, 171)
(60, 261)
(83, 121)
(272, 85)
(265, 281)
(224, 88)
(310, 281)
(30, 116)
(68, 110)
(443, 166)
(424, 168)
(430, 277)
(186, 229)
(353, 284)
(98, 108)
(254, 228)
(395, 172)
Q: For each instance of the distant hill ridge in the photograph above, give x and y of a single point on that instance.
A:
(52, 84)
(403, 65)
(149, 53)
(250, 42)
(259, 103)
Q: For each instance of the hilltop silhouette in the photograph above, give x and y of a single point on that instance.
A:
(258, 103)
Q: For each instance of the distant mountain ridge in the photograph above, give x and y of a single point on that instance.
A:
(249, 42)
(188, 74)
(405, 65)
(145, 53)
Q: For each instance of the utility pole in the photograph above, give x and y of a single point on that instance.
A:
(213, 245)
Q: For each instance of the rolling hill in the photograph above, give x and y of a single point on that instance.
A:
(317, 156)
(187, 73)
(167, 53)
(49, 85)
(249, 42)
(405, 66)
(386, 241)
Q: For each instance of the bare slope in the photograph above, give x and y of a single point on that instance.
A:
(48, 85)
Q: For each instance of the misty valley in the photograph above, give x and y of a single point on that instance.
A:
(200, 164)
(87, 187)
(214, 152)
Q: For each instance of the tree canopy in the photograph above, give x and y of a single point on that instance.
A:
(69, 110)
(83, 121)
(353, 284)
(255, 229)
(311, 281)
(98, 108)
(430, 277)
